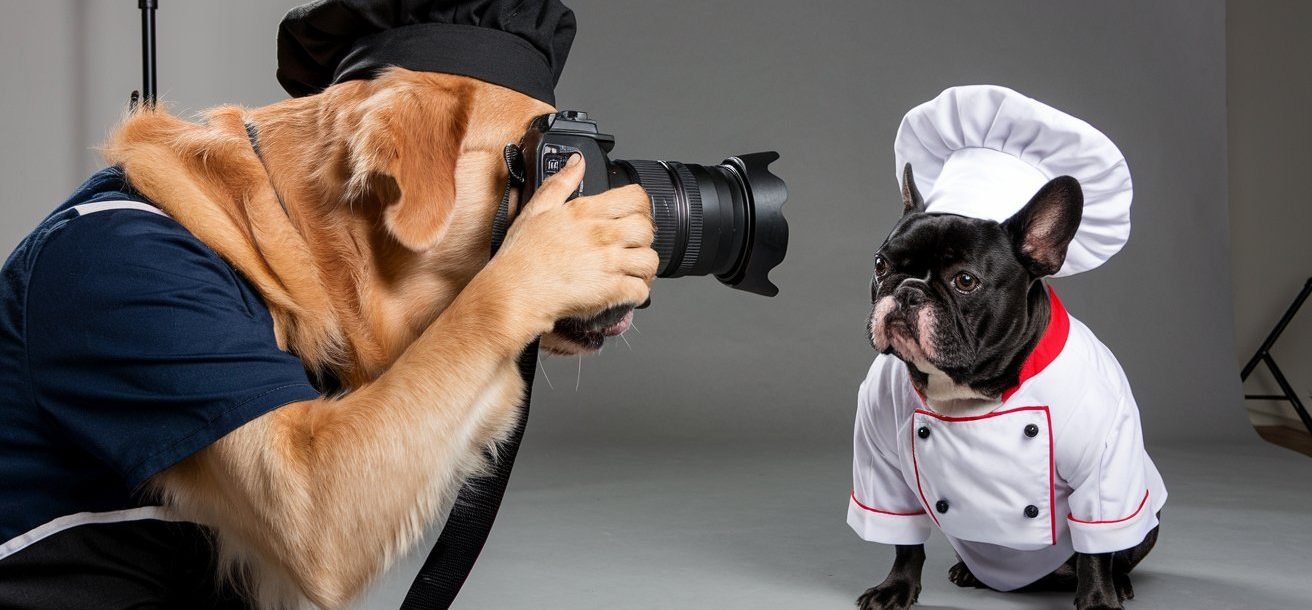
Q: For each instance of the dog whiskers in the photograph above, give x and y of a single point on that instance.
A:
(634, 327)
(579, 379)
(544, 374)
(626, 340)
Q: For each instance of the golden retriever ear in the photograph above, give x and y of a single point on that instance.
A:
(403, 155)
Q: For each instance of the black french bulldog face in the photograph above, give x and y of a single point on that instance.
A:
(953, 294)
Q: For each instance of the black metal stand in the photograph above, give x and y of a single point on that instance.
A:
(1263, 355)
(146, 96)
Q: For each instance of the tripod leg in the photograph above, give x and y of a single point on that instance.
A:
(1289, 392)
(1265, 349)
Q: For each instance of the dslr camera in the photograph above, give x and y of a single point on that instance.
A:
(724, 220)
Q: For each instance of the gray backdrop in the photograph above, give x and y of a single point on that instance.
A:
(825, 84)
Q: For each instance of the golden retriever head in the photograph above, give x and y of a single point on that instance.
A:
(427, 153)
(367, 210)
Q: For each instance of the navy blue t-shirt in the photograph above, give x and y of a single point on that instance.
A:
(126, 345)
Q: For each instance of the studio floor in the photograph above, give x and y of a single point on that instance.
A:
(754, 527)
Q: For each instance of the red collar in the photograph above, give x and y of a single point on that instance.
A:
(1049, 346)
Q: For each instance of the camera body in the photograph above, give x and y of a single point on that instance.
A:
(552, 138)
(724, 220)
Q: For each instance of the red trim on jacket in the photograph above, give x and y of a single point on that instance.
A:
(883, 512)
(1052, 476)
(949, 418)
(1134, 514)
(915, 465)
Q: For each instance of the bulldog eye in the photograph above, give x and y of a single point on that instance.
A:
(881, 267)
(965, 282)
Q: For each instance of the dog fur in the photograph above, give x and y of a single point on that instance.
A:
(377, 273)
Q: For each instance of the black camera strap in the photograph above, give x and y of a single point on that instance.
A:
(476, 506)
(514, 158)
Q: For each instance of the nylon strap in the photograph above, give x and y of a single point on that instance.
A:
(514, 179)
(476, 506)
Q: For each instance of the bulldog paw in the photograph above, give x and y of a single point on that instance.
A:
(960, 575)
(1097, 602)
(895, 595)
(1124, 588)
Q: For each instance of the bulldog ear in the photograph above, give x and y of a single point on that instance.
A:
(1043, 229)
(911, 200)
(403, 155)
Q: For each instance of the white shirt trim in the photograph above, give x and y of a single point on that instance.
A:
(60, 524)
(103, 206)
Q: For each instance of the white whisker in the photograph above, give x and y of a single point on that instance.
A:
(634, 327)
(626, 341)
(544, 374)
(579, 379)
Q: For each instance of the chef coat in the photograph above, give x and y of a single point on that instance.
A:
(1056, 466)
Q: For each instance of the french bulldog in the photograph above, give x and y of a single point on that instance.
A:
(961, 301)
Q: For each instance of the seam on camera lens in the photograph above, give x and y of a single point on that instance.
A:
(689, 206)
(670, 220)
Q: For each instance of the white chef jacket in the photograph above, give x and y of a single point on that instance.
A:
(1057, 466)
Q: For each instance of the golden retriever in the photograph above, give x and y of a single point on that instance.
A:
(376, 269)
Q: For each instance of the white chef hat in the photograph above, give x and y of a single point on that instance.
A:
(984, 151)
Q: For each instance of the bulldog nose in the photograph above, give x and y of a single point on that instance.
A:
(911, 292)
(910, 297)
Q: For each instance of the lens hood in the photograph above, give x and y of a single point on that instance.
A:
(767, 242)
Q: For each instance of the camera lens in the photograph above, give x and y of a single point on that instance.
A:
(724, 220)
